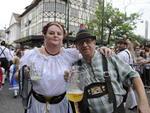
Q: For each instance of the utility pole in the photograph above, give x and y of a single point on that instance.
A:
(55, 11)
(146, 29)
(102, 30)
(68, 11)
(126, 4)
(101, 8)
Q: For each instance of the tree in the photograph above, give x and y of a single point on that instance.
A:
(115, 23)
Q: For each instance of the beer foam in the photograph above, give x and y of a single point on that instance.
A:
(75, 92)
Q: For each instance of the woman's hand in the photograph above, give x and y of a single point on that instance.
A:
(105, 51)
(66, 75)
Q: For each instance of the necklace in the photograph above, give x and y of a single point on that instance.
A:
(49, 52)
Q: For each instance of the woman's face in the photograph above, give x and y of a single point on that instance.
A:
(54, 36)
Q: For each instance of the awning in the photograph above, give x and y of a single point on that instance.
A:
(32, 40)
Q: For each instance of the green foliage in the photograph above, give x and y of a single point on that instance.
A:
(115, 23)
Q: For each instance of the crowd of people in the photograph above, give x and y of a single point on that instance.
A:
(46, 66)
(9, 63)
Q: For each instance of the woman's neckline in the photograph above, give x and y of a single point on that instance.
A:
(50, 53)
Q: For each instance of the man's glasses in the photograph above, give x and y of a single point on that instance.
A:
(87, 41)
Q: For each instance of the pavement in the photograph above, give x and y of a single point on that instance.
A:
(9, 104)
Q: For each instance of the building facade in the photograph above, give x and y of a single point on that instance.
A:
(72, 13)
(13, 31)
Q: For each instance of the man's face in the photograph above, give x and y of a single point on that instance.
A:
(86, 47)
(121, 46)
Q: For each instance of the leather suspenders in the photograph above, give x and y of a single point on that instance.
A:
(111, 95)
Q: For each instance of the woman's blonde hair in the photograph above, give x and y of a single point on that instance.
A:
(16, 60)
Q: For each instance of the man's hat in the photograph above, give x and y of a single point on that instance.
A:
(84, 34)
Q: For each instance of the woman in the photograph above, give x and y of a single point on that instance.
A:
(47, 65)
(12, 71)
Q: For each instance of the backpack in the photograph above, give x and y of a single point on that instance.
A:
(25, 88)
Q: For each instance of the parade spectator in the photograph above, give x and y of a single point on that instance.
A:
(48, 64)
(1, 77)
(125, 55)
(4, 75)
(12, 78)
(91, 66)
(5, 56)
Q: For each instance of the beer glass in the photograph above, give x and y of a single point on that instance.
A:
(34, 74)
(74, 89)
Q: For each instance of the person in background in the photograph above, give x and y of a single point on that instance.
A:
(46, 66)
(1, 77)
(4, 75)
(91, 66)
(12, 78)
(125, 55)
(5, 57)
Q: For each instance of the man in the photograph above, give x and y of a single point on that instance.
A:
(123, 52)
(92, 66)
(125, 55)
(5, 57)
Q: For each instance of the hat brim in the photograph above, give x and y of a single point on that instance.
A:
(83, 38)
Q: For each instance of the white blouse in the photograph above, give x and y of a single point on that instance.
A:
(49, 69)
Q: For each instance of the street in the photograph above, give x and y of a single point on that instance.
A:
(8, 104)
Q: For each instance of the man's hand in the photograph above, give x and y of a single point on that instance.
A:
(143, 105)
(143, 108)
(105, 51)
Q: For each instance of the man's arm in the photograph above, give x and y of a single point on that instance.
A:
(143, 105)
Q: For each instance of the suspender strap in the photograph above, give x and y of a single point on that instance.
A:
(2, 51)
(111, 95)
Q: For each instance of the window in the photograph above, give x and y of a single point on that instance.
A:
(49, 6)
(74, 12)
(84, 5)
(60, 8)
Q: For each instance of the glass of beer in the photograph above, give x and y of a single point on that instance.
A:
(34, 74)
(74, 89)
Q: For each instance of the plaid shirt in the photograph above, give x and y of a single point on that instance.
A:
(93, 72)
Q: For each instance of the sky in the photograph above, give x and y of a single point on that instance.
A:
(7, 7)
(139, 6)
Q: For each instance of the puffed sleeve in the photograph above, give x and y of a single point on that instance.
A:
(124, 70)
(26, 58)
(73, 54)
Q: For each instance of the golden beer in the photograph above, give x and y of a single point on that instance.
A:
(75, 96)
